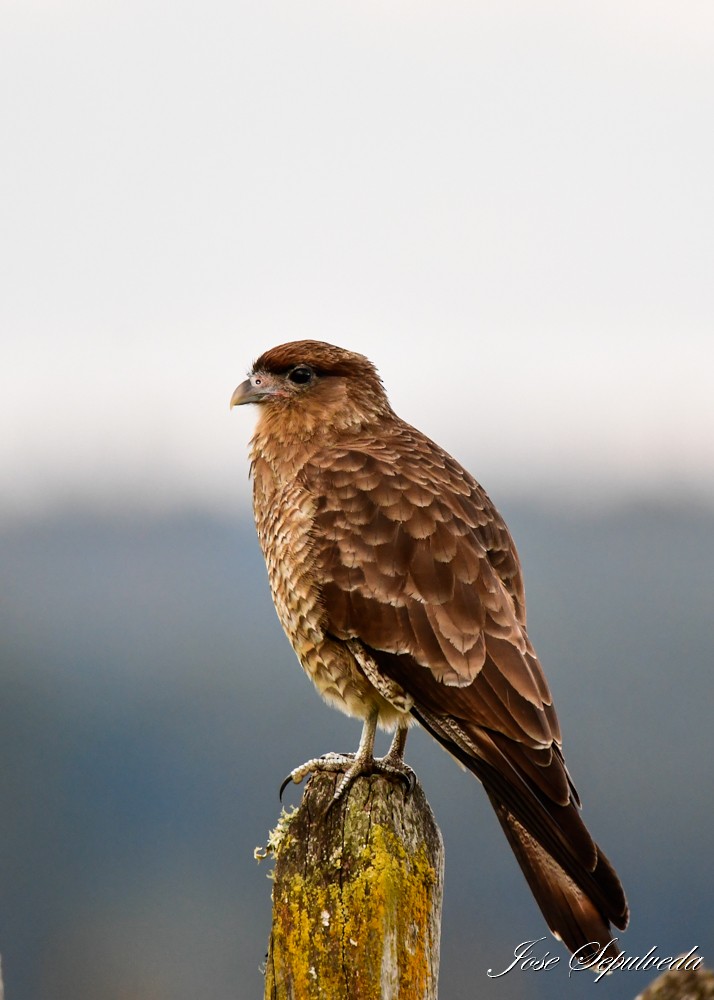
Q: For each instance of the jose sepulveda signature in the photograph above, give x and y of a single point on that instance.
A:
(527, 957)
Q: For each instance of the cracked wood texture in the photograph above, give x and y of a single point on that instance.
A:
(357, 895)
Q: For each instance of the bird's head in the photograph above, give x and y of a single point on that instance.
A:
(308, 383)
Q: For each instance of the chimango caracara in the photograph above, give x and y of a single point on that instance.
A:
(400, 590)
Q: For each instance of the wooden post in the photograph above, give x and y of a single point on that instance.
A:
(690, 984)
(357, 895)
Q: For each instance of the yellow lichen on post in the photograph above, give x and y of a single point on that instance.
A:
(357, 895)
(386, 907)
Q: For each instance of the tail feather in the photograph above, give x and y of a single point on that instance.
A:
(574, 884)
(569, 911)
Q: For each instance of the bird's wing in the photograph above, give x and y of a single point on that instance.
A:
(413, 561)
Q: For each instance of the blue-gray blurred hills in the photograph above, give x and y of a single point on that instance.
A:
(151, 706)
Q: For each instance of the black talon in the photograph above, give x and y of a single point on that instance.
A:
(409, 778)
(284, 786)
(402, 774)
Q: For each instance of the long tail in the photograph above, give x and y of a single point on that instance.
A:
(574, 884)
(571, 914)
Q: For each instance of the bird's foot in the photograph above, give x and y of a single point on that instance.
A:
(388, 766)
(393, 764)
(354, 766)
(328, 762)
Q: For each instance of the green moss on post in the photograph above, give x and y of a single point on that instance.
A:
(356, 895)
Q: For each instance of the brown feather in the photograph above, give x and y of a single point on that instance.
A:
(371, 532)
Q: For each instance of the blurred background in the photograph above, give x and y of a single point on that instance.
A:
(509, 208)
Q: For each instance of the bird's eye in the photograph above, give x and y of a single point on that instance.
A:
(301, 375)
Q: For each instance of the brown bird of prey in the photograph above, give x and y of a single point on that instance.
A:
(400, 590)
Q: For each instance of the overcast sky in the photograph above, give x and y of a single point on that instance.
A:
(508, 206)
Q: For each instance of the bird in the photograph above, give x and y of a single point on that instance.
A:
(401, 591)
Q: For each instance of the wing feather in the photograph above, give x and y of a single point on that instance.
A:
(399, 523)
(417, 564)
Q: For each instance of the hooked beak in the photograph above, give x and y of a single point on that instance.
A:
(255, 389)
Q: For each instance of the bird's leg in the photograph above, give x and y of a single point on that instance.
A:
(341, 761)
(395, 754)
(393, 761)
(361, 763)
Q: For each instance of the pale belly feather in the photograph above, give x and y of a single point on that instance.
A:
(284, 519)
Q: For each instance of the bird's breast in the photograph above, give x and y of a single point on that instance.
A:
(284, 517)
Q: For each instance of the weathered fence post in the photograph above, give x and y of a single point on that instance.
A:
(692, 984)
(357, 895)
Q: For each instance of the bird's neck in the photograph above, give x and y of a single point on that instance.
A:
(284, 442)
(287, 436)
